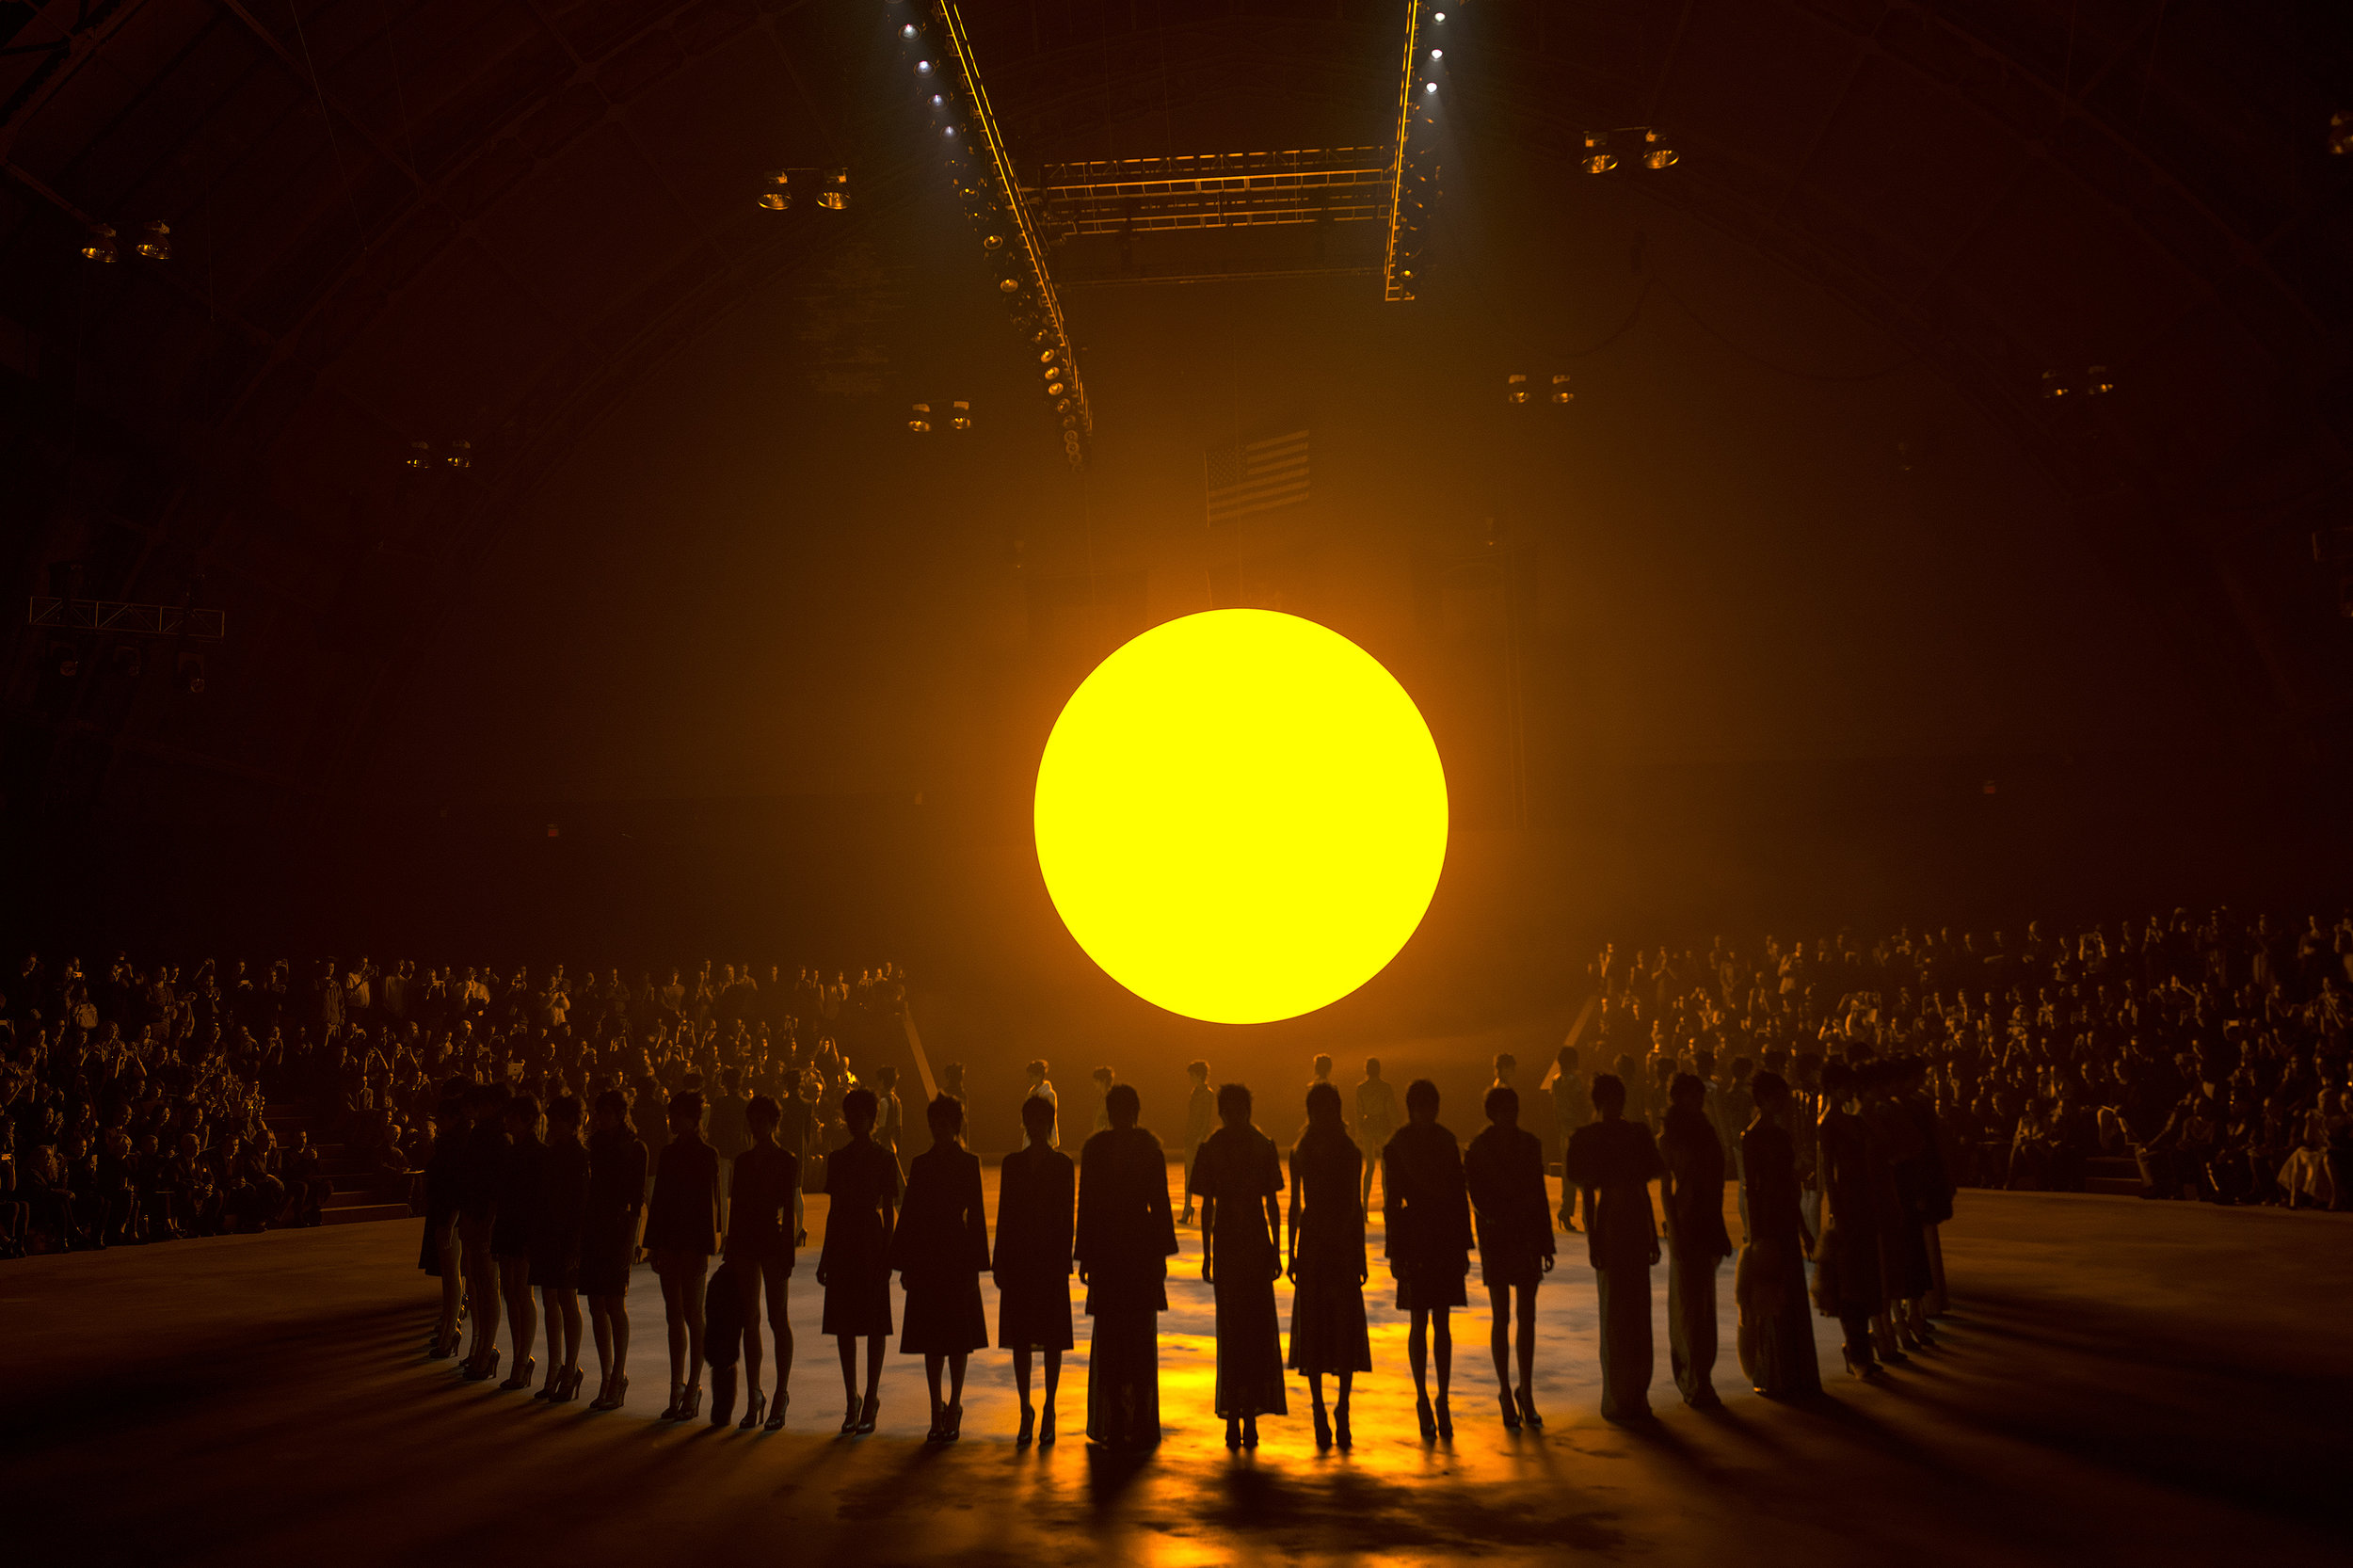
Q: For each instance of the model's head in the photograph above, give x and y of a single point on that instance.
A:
(1321, 1067)
(1609, 1094)
(1422, 1101)
(1197, 1071)
(564, 1115)
(1503, 1105)
(1233, 1104)
(1323, 1107)
(945, 1116)
(1122, 1106)
(857, 1111)
(762, 1114)
(1686, 1092)
(611, 1111)
(1037, 1119)
(686, 1114)
(1770, 1091)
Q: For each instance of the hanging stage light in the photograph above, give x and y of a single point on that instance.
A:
(460, 455)
(2341, 131)
(2097, 381)
(961, 415)
(1598, 159)
(1516, 390)
(921, 422)
(1654, 153)
(100, 246)
(155, 241)
(1560, 393)
(420, 456)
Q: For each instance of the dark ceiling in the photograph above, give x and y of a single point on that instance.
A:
(493, 222)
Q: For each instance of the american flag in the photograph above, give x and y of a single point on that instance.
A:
(1258, 476)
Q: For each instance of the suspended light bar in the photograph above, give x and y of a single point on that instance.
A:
(1412, 163)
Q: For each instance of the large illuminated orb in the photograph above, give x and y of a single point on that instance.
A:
(1241, 816)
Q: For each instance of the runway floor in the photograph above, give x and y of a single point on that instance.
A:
(2119, 1383)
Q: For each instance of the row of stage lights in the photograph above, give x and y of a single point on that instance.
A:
(421, 458)
(154, 242)
(1609, 150)
(831, 187)
(933, 52)
(958, 418)
(1521, 391)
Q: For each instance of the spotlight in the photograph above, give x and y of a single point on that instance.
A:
(2097, 381)
(994, 242)
(1430, 86)
(1055, 389)
(127, 660)
(65, 660)
(921, 422)
(833, 200)
(948, 132)
(188, 673)
(1437, 53)
(1598, 159)
(938, 100)
(1009, 285)
(460, 455)
(960, 415)
(907, 31)
(1516, 390)
(1654, 156)
(2055, 386)
(100, 246)
(777, 197)
(1440, 17)
(420, 456)
(155, 241)
(1560, 393)
(922, 68)
(2341, 131)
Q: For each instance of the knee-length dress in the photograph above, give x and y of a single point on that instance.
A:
(1426, 1211)
(682, 1216)
(608, 1226)
(941, 1249)
(1238, 1170)
(861, 1180)
(1504, 1170)
(760, 1206)
(555, 1224)
(1034, 1192)
(1328, 1332)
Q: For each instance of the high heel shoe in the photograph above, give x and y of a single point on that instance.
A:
(677, 1400)
(1029, 1428)
(694, 1403)
(754, 1405)
(553, 1388)
(483, 1368)
(776, 1412)
(1323, 1431)
(867, 1412)
(1045, 1429)
(520, 1376)
(570, 1390)
(1340, 1434)
(1511, 1413)
(849, 1418)
(1869, 1370)
(1529, 1417)
(1446, 1420)
(1428, 1421)
(609, 1392)
(951, 1425)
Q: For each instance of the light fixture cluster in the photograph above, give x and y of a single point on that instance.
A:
(2094, 381)
(1627, 147)
(1524, 391)
(829, 189)
(1414, 150)
(2341, 133)
(154, 242)
(938, 55)
(958, 418)
(422, 458)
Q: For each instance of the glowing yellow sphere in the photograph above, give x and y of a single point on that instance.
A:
(1241, 816)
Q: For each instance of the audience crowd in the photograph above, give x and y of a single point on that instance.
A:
(131, 1104)
(2210, 1051)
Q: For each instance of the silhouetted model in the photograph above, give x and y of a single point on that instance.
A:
(1846, 1281)
(1376, 1123)
(1899, 1154)
(1238, 1175)
(519, 1174)
(1426, 1213)
(555, 1233)
(1775, 1339)
(1693, 1193)
(1327, 1262)
(939, 1250)
(681, 1233)
(862, 1184)
(438, 1255)
(1612, 1162)
(608, 1240)
(1504, 1168)
(1035, 1193)
(1126, 1235)
(1929, 1185)
(766, 1179)
(477, 1211)
(1200, 1121)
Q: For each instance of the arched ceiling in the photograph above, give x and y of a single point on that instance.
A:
(398, 221)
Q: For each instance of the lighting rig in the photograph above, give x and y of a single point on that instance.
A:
(829, 189)
(1627, 147)
(938, 55)
(1414, 153)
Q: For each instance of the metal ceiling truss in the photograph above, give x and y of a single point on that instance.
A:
(1215, 190)
(1413, 170)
